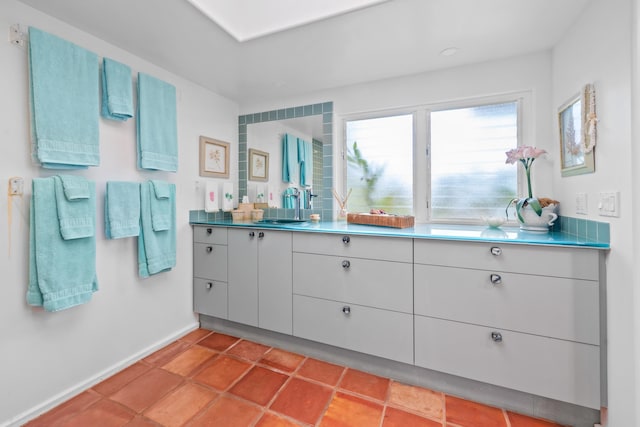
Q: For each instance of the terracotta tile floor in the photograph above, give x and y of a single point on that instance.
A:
(211, 379)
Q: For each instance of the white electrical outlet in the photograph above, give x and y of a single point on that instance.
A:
(609, 203)
(581, 203)
(16, 186)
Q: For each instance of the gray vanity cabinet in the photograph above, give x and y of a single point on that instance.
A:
(522, 317)
(260, 278)
(210, 271)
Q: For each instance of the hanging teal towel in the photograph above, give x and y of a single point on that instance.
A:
(305, 159)
(156, 249)
(288, 199)
(289, 157)
(157, 129)
(62, 273)
(117, 93)
(122, 209)
(160, 205)
(76, 214)
(64, 95)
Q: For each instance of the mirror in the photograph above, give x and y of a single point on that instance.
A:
(263, 132)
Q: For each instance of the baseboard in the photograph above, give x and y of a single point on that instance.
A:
(90, 382)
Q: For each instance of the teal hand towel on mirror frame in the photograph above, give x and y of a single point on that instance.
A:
(64, 102)
(62, 273)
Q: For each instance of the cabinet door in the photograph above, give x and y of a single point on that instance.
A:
(275, 281)
(210, 261)
(243, 275)
(210, 297)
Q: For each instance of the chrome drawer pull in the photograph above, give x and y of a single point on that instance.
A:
(209, 285)
(209, 231)
(496, 251)
(346, 239)
(496, 279)
(346, 263)
(209, 249)
(261, 235)
(346, 309)
(496, 336)
(252, 234)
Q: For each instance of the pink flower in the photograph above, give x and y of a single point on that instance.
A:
(524, 152)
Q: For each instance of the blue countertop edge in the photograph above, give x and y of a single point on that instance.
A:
(475, 233)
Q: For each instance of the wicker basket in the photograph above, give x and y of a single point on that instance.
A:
(383, 220)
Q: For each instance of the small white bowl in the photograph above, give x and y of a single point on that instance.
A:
(494, 221)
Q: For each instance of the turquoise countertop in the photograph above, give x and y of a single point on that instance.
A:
(429, 231)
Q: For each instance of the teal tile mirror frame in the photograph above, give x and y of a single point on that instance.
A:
(324, 203)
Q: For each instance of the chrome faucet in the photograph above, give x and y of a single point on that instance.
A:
(296, 201)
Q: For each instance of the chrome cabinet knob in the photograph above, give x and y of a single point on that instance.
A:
(496, 336)
(252, 234)
(209, 231)
(346, 239)
(496, 251)
(209, 249)
(208, 285)
(261, 235)
(346, 263)
(346, 309)
(496, 279)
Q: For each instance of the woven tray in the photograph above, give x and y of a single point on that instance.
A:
(383, 220)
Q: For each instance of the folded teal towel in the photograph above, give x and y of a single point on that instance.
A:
(160, 205)
(305, 159)
(62, 273)
(157, 132)
(288, 199)
(117, 93)
(289, 154)
(64, 95)
(122, 209)
(75, 187)
(156, 249)
(76, 216)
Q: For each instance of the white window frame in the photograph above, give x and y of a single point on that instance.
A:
(422, 144)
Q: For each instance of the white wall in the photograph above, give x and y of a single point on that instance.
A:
(597, 49)
(47, 356)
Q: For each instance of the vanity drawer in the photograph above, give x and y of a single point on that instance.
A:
(541, 260)
(557, 369)
(549, 306)
(210, 297)
(372, 247)
(381, 284)
(364, 329)
(210, 261)
(207, 234)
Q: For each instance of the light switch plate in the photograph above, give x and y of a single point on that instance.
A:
(581, 203)
(609, 203)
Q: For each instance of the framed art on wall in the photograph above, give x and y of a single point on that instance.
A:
(214, 158)
(258, 165)
(576, 156)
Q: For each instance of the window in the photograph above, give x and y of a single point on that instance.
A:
(469, 177)
(462, 178)
(379, 156)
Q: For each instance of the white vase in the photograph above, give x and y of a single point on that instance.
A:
(533, 222)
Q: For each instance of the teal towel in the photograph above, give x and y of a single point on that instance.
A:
(157, 130)
(160, 205)
(75, 187)
(289, 154)
(117, 93)
(288, 201)
(156, 249)
(122, 209)
(305, 159)
(64, 95)
(76, 216)
(62, 273)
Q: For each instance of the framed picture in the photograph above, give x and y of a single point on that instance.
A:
(574, 158)
(258, 165)
(214, 158)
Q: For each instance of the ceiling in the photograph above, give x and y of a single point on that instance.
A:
(389, 39)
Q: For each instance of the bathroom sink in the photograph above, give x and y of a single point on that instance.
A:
(282, 221)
